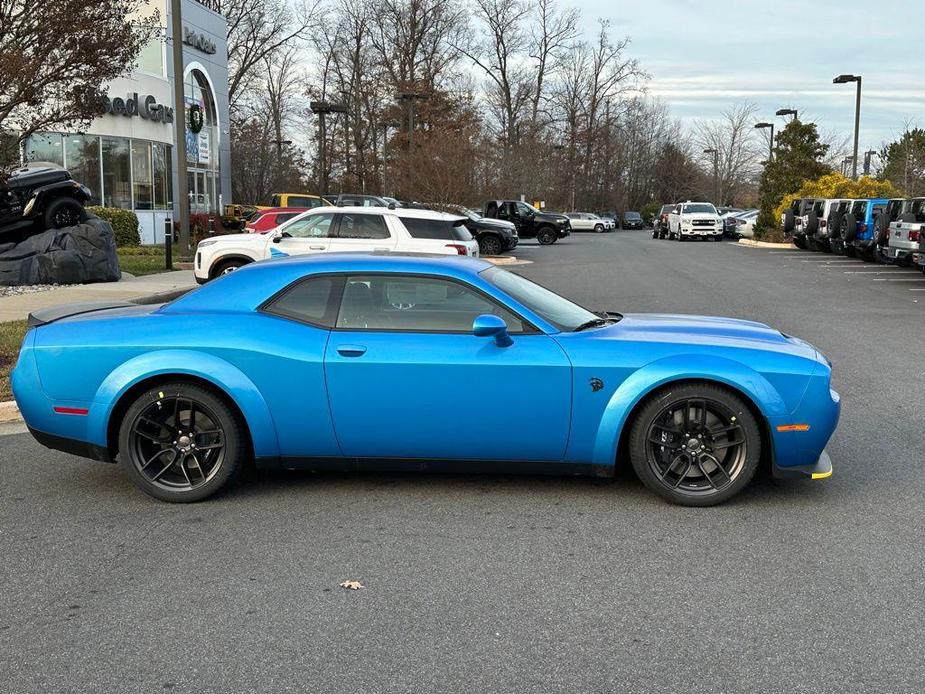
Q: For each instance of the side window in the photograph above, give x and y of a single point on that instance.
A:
(314, 226)
(300, 201)
(311, 301)
(274, 201)
(858, 209)
(416, 304)
(285, 217)
(504, 210)
(523, 210)
(362, 226)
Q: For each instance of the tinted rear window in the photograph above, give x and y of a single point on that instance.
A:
(440, 229)
(308, 301)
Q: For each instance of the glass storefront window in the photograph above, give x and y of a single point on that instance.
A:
(142, 188)
(82, 157)
(159, 161)
(117, 191)
(45, 147)
(202, 147)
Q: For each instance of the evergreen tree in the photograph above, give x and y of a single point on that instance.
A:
(798, 158)
(903, 162)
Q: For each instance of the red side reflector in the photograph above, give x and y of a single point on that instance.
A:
(793, 427)
(82, 411)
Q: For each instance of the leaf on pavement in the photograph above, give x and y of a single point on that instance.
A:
(352, 585)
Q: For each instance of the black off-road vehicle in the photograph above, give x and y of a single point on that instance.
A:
(37, 197)
(530, 222)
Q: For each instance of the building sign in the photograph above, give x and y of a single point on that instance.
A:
(198, 41)
(203, 155)
(144, 107)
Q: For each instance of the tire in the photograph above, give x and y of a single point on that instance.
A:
(718, 238)
(695, 437)
(881, 257)
(489, 245)
(228, 266)
(599, 228)
(63, 213)
(179, 409)
(546, 236)
(789, 221)
(848, 229)
(812, 224)
(800, 242)
(655, 234)
(882, 230)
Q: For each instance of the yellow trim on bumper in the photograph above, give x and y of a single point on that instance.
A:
(822, 475)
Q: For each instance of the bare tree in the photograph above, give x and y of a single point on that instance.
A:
(257, 29)
(56, 58)
(738, 152)
(553, 34)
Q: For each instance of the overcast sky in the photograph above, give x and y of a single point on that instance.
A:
(705, 55)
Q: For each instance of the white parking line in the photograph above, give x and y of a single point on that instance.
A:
(884, 279)
(911, 289)
(897, 271)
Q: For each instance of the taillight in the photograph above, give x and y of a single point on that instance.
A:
(914, 236)
(460, 249)
(862, 227)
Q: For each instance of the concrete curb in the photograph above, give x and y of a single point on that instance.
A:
(764, 244)
(9, 412)
(505, 260)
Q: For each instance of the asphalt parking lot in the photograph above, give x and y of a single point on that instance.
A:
(502, 583)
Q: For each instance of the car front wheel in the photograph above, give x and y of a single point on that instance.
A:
(180, 442)
(63, 213)
(546, 236)
(228, 267)
(599, 228)
(489, 245)
(695, 444)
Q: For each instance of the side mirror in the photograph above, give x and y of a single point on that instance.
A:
(488, 325)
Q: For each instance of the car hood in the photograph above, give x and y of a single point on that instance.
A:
(257, 236)
(699, 215)
(707, 330)
(495, 223)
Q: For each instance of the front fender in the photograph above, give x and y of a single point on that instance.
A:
(223, 375)
(679, 368)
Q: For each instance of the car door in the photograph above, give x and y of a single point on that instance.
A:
(361, 231)
(312, 233)
(407, 378)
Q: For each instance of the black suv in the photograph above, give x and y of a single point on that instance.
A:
(37, 197)
(530, 222)
(632, 220)
(494, 236)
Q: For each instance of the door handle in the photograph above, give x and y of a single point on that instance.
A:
(351, 350)
(316, 248)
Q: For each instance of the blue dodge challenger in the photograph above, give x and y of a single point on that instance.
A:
(350, 361)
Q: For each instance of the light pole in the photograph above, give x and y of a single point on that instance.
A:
(410, 97)
(179, 121)
(867, 157)
(322, 108)
(715, 173)
(788, 112)
(761, 126)
(385, 125)
(845, 79)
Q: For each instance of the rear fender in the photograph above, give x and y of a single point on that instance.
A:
(223, 375)
(679, 368)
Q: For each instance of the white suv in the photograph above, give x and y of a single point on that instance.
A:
(689, 220)
(337, 229)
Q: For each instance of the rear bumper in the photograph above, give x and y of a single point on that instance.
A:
(821, 469)
(83, 449)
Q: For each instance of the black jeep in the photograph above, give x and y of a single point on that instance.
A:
(37, 197)
(530, 222)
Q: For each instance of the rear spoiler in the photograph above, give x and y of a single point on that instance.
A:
(50, 315)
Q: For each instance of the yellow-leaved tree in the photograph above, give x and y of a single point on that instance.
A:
(834, 185)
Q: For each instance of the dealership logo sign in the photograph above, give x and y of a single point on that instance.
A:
(198, 41)
(144, 107)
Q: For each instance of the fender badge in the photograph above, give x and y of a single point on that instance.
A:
(596, 384)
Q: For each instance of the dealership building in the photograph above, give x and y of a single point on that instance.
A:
(126, 156)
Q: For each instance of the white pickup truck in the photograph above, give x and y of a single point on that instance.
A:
(692, 220)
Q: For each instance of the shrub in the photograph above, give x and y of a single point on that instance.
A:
(124, 224)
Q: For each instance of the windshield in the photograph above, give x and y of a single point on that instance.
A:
(696, 208)
(558, 310)
(632, 215)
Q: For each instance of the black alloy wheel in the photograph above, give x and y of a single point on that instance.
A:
(180, 442)
(695, 445)
(63, 213)
(489, 245)
(546, 236)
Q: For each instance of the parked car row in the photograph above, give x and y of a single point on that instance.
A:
(881, 229)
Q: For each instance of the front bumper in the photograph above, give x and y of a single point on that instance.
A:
(819, 470)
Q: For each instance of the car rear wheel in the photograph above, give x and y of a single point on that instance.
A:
(800, 242)
(63, 213)
(599, 228)
(489, 245)
(180, 442)
(696, 444)
(546, 236)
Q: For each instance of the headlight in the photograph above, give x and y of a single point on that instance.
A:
(207, 242)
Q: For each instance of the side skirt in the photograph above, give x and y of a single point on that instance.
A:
(497, 467)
